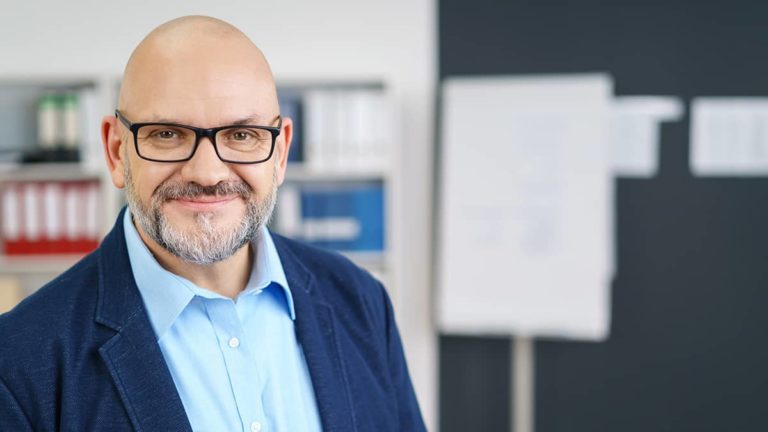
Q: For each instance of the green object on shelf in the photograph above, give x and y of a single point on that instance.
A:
(47, 120)
(68, 100)
(47, 100)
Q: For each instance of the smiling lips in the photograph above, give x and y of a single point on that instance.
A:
(206, 203)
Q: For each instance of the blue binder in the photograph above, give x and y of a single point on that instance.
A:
(358, 204)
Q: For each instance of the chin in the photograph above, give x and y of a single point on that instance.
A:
(214, 221)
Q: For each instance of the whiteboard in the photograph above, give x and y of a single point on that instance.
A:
(525, 244)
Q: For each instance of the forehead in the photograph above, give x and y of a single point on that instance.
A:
(199, 83)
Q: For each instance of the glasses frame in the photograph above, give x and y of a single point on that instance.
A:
(200, 133)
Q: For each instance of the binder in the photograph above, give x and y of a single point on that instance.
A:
(11, 221)
(50, 217)
(346, 129)
(344, 217)
(291, 107)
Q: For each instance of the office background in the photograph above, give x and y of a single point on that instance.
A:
(686, 346)
(305, 41)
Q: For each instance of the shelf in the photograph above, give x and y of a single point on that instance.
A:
(370, 260)
(303, 173)
(49, 80)
(332, 83)
(55, 264)
(37, 264)
(366, 166)
(61, 171)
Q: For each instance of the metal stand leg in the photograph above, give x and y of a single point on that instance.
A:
(522, 384)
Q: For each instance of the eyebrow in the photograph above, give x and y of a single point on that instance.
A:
(254, 120)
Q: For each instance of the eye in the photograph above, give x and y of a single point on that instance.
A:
(165, 134)
(242, 135)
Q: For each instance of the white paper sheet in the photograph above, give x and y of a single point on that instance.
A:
(635, 132)
(729, 136)
(525, 243)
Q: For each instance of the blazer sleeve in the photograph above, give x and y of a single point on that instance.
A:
(408, 407)
(12, 418)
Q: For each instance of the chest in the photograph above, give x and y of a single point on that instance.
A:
(239, 366)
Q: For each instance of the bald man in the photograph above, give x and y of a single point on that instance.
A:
(191, 315)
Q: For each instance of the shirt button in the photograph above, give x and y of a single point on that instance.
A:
(234, 343)
(255, 426)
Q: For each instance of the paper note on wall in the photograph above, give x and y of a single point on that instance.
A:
(729, 136)
(525, 243)
(636, 131)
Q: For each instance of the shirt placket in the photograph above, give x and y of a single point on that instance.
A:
(246, 384)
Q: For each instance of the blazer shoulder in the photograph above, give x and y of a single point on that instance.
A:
(321, 262)
(342, 283)
(57, 310)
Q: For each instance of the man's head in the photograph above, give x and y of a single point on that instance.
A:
(201, 72)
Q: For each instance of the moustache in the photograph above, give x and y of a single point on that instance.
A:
(171, 191)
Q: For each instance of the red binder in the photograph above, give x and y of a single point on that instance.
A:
(44, 218)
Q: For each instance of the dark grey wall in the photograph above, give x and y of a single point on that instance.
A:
(689, 337)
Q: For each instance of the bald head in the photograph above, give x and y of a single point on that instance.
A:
(191, 68)
(195, 24)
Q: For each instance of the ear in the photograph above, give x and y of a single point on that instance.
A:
(110, 137)
(283, 145)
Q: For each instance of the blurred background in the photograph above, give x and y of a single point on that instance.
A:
(669, 333)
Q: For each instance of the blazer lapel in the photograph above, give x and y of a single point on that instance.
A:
(141, 377)
(132, 356)
(315, 330)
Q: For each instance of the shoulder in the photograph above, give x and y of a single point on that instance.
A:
(320, 261)
(343, 284)
(58, 311)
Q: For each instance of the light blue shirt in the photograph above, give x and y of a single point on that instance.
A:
(236, 364)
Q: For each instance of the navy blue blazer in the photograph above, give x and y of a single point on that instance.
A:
(80, 354)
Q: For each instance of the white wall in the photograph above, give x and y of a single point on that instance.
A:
(391, 40)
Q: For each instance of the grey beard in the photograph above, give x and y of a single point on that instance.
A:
(205, 245)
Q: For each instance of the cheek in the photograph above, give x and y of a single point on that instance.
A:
(148, 178)
(259, 178)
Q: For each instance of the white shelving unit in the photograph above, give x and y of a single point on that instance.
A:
(380, 167)
(18, 96)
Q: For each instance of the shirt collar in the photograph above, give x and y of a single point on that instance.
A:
(166, 294)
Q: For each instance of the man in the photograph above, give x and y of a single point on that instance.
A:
(191, 315)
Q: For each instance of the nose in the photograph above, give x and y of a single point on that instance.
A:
(205, 168)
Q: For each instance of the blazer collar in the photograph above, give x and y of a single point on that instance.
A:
(316, 332)
(132, 356)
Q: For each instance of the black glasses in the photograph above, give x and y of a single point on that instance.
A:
(172, 142)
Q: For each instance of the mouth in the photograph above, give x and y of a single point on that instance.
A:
(205, 203)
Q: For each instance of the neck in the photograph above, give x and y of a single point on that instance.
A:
(227, 277)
